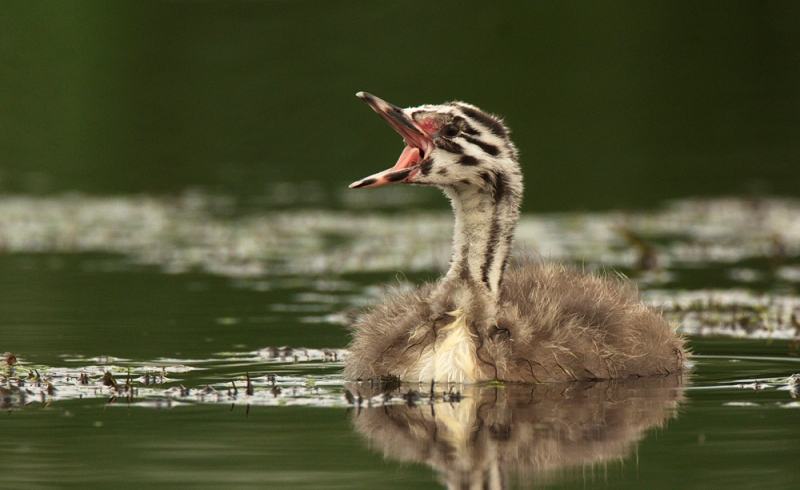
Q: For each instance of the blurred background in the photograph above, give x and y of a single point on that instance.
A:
(174, 206)
(612, 104)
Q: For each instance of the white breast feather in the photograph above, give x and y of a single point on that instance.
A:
(450, 360)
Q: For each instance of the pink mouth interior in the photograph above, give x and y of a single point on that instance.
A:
(408, 158)
(419, 145)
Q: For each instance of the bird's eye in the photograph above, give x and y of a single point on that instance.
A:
(450, 130)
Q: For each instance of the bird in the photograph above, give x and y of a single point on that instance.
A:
(479, 439)
(489, 318)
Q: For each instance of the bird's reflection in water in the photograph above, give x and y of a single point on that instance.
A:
(477, 440)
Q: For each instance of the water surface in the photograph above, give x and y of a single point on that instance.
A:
(158, 343)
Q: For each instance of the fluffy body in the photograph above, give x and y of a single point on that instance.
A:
(552, 324)
(480, 322)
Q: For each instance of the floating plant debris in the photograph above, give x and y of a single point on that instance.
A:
(182, 235)
(256, 378)
(9, 359)
(156, 383)
(731, 313)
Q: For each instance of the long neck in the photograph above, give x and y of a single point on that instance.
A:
(484, 229)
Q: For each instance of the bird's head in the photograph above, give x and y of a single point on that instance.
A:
(453, 144)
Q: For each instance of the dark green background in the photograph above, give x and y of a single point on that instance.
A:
(613, 104)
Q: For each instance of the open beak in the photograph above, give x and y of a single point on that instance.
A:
(419, 145)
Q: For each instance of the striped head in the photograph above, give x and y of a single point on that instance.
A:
(449, 145)
(467, 153)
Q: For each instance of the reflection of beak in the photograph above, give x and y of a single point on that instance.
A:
(418, 145)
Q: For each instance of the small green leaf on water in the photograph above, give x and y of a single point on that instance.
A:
(227, 321)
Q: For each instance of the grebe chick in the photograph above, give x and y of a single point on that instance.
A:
(534, 322)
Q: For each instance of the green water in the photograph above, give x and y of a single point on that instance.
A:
(174, 212)
(190, 311)
(94, 313)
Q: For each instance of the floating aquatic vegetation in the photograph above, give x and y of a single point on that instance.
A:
(789, 384)
(732, 313)
(184, 234)
(298, 376)
(267, 377)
